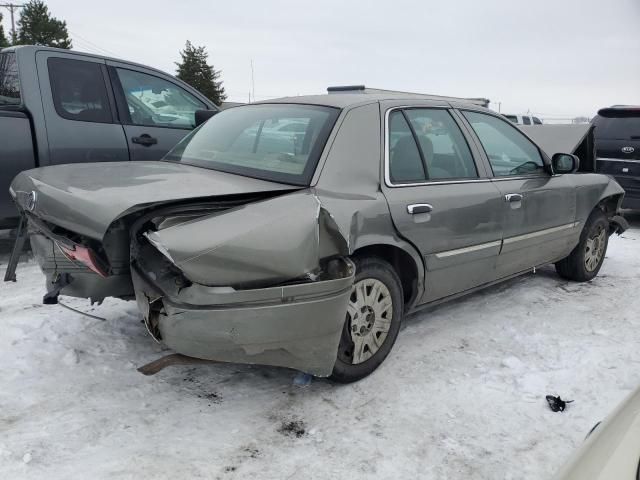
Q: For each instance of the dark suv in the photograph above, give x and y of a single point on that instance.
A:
(617, 135)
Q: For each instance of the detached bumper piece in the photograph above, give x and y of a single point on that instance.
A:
(618, 224)
(294, 325)
(18, 246)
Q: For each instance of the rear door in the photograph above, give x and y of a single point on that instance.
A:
(539, 209)
(156, 112)
(439, 197)
(80, 115)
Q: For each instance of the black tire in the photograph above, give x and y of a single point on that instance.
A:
(575, 267)
(375, 269)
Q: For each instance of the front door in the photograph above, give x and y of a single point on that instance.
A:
(539, 209)
(156, 113)
(441, 200)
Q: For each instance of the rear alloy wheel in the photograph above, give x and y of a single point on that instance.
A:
(372, 322)
(584, 262)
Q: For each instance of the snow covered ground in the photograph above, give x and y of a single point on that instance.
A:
(461, 395)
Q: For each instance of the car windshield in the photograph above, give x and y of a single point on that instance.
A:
(276, 142)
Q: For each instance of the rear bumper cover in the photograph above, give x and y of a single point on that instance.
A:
(296, 326)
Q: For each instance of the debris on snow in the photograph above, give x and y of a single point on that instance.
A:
(556, 404)
(294, 428)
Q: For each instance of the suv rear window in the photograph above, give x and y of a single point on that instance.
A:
(622, 126)
(9, 79)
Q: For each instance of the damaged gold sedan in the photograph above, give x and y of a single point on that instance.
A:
(298, 232)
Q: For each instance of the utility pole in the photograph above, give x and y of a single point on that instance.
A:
(12, 7)
(253, 84)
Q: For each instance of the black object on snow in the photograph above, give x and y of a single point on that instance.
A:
(556, 404)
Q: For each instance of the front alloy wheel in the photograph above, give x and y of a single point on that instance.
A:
(584, 262)
(594, 248)
(372, 321)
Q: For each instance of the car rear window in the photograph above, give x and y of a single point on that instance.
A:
(9, 80)
(251, 141)
(622, 126)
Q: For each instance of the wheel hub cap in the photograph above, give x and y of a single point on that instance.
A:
(369, 317)
(594, 250)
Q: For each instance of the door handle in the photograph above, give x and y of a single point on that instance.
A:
(513, 197)
(416, 208)
(145, 139)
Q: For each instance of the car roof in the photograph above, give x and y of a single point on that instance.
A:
(344, 100)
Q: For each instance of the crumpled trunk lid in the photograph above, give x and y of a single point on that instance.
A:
(88, 198)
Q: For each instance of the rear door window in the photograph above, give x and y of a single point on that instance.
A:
(405, 163)
(443, 146)
(9, 80)
(427, 144)
(155, 102)
(79, 91)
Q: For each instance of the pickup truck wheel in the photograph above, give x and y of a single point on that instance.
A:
(372, 322)
(584, 262)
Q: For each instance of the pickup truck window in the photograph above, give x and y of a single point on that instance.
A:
(9, 80)
(78, 90)
(154, 102)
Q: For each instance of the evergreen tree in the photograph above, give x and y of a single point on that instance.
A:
(36, 26)
(3, 39)
(194, 70)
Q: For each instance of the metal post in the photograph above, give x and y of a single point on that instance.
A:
(12, 7)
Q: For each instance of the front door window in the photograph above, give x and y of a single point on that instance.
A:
(509, 151)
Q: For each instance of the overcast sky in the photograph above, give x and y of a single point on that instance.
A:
(552, 57)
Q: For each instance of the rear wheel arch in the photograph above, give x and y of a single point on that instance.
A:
(404, 264)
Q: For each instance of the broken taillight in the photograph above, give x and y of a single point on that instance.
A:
(85, 256)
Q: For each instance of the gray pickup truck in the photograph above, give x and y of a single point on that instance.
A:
(59, 106)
